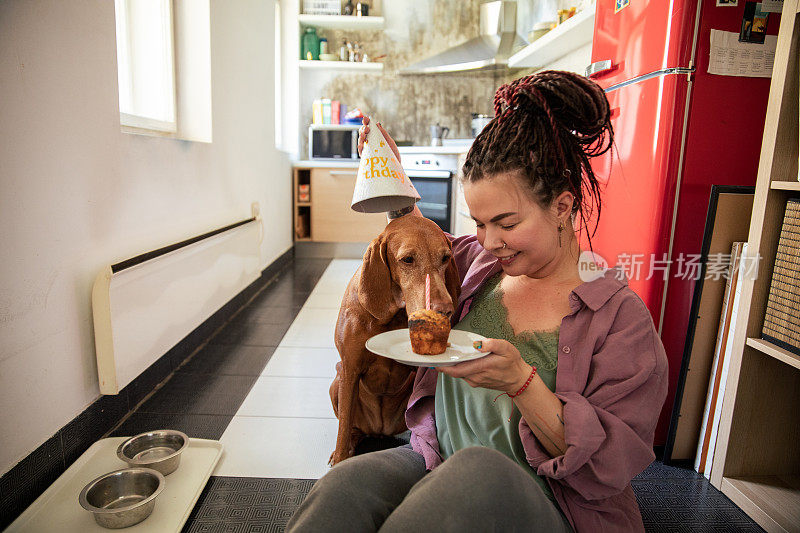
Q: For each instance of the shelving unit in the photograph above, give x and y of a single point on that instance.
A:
(786, 185)
(327, 217)
(342, 22)
(340, 65)
(757, 458)
(575, 32)
(301, 212)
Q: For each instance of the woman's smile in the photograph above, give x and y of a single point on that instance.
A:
(507, 259)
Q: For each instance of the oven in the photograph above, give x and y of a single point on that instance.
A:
(433, 174)
(435, 188)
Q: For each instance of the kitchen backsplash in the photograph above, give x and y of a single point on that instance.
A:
(408, 104)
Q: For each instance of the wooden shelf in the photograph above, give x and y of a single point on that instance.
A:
(772, 350)
(773, 501)
(757, 456)
(340, 65)
(785, 185)
(342, 22)
(303, 204)
(575, 32)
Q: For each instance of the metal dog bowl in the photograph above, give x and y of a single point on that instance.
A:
(160, 450)
(122, 498)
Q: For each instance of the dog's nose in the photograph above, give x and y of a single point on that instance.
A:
(445, 309)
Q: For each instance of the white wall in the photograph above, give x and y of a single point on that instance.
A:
(76, 194)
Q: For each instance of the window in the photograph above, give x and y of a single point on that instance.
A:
(145, 65)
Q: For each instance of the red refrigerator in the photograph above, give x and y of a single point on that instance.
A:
(678, 130)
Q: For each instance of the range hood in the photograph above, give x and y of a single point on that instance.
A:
(489, 51)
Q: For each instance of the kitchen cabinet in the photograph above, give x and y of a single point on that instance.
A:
(326, 216)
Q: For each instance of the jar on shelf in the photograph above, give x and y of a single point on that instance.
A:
(323, 46)
(349, 8)
(310, 44)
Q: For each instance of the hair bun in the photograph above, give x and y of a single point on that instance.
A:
(571, 102)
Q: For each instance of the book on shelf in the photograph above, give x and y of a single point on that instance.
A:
(316, 112)
(326, 111)
(335, 108)
(719, 367)
(782, 316)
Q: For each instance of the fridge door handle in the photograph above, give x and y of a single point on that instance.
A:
(599, 67)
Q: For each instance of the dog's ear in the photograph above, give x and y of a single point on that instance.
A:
(451, 279)
(375, 285)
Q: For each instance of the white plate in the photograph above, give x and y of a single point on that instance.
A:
(396, 344)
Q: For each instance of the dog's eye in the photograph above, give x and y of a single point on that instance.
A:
(445, 259)
(408, 260)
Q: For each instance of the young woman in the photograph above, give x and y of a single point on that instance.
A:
(546, 432)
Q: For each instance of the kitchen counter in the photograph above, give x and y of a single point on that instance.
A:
(456, 147)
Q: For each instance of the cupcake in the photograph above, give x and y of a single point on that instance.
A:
(429, 331)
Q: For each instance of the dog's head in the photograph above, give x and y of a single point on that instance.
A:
(395, 265)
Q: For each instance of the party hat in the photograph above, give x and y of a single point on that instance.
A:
(381, 184)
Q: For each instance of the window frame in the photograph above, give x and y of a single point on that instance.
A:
(140, 123)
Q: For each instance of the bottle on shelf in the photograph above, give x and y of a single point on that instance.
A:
(349, 8)
(323, 46)
(310, 44)
(344, 55)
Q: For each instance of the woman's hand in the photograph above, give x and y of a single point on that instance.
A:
(503, 369)
(362, 136)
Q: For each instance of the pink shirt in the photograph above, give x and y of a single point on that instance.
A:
(612, 380)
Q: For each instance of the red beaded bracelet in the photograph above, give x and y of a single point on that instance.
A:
(521, 389)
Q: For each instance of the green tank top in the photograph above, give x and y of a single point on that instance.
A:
(467, 416)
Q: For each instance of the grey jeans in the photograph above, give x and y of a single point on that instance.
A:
(477, 489)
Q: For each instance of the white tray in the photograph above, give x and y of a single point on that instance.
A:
(57, 509)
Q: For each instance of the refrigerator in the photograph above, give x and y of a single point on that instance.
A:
(678, 131)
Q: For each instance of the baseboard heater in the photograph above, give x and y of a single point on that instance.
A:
(145, 305)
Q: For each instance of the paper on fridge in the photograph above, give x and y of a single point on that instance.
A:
(771, 6)
(381, 184)
(729, 57)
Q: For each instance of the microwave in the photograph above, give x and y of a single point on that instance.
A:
(333, 141)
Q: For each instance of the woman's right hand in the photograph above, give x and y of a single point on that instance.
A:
(362, 136)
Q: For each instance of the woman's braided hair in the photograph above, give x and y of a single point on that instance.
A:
(545, 129)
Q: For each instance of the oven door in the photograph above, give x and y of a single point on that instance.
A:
(435, 188)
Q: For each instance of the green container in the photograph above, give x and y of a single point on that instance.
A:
(310, 44)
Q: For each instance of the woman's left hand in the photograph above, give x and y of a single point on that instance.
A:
(503, 369)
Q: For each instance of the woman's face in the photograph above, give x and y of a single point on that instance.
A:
(506, 213)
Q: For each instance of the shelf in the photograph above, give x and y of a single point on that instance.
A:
(340, 65)
(302, 239)
(303, 204)
(785, 185)
(575, 32)
(781, 354)
(342, 22)
(772, 501)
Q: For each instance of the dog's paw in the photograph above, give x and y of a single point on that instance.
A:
(338, 457)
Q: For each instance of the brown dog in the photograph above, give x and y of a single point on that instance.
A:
(370, 392)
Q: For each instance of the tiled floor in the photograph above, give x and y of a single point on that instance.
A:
(261, 386)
